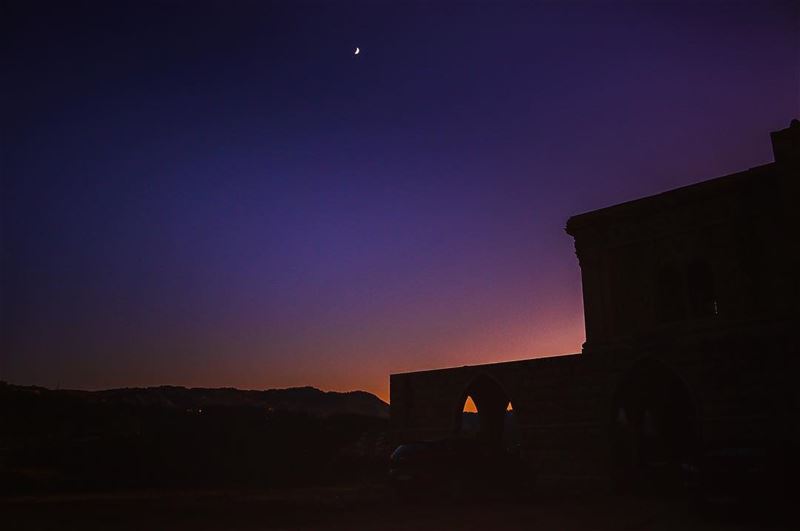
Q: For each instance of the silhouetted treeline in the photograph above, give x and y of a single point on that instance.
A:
(60, 440)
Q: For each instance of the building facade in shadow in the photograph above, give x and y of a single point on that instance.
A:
(690, 301)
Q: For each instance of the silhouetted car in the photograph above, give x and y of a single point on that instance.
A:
(457, 469)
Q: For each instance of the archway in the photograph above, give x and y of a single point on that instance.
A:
(485, 413)
(654, 427)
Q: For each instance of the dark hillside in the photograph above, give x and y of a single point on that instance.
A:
(173, 436)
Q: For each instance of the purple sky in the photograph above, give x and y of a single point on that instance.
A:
(222, 194)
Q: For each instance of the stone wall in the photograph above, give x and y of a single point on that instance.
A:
(724, 331)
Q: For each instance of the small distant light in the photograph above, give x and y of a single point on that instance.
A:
(716, 308)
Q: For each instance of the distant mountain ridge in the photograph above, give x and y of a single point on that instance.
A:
(308, 400)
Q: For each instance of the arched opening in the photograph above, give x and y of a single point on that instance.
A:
(670, 305)
(654, 426)
(487, 415)
(702, 291)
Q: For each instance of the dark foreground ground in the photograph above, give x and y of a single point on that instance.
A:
(371, 508)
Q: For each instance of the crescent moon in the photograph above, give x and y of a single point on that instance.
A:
(358, 51)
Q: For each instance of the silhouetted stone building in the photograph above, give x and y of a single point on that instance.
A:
(690, 301)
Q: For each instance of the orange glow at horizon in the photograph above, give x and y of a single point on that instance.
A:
(469, 406)
(351, 366)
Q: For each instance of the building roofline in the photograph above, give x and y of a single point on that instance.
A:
(636, 206)
(543, 359)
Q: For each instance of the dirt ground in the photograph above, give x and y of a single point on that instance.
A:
(372, 508)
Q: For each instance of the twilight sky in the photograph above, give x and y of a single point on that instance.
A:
(222, 194)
